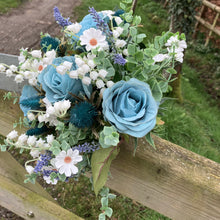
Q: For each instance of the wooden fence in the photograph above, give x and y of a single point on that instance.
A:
(200, 20)
(171, 180)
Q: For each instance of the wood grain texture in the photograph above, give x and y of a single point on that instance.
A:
(171, 180)
(21, 200)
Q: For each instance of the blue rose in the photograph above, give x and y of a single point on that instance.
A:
(130, 107)
(58, 87)
(29, 99)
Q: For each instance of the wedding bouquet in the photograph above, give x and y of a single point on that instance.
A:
(89, 91)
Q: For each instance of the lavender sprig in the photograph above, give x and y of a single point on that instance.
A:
(100, 23)
(86, 147)
(43, 161)
(60, 19)
(119, 59)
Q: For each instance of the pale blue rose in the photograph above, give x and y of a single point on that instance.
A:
(58, 87)
(130, 107)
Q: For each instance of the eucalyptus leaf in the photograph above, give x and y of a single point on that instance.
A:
(108, 211)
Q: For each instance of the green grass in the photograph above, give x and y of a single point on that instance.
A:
(6, 5)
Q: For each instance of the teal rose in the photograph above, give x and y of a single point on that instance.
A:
(59, 87)
(130, 107)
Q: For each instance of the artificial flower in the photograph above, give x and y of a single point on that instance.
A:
(130, 107)
(93, 38)
(65, 162)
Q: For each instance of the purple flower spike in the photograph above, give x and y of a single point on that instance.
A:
(119, 59)
(60, 19)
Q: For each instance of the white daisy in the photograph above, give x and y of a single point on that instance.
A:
(65, 162)
(93, 38)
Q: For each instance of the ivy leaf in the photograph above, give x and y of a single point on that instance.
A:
(101, 161)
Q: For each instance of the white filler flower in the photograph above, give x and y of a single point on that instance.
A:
(93, 38)
(65, 162)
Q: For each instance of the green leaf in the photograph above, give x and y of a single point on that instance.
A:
(102, 216)
(171, 70)
(150, 140)
(108, 212)
(111, 196)
(155, 89)
(151, 52)
(131, 49)
(139, 55)
(100, 162)
(65, 146)
(133, 31)
(163, 86)
(3, 148)
(104, 202)
(140, 38)
(137, 20)
(123, 6)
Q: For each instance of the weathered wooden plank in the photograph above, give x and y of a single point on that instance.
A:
(21, 200)
(171, 180)
(8, 83)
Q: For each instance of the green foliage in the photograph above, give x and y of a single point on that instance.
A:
(106, 211)
(100, 162)
(109, 137)
(6, 5)
(183, 12)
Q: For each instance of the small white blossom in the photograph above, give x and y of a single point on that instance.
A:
(79, 62)
(103, 73)
(73, 74)
(85, 68)
(125, 52)
(160, 57)
(12, 135)
(120, 43)
(30, 116)
(13, 68)
(50, 138)
(179, 57)
(74, 28)
(100, 84)
(28, 74)
(40, 142)
(67, 64)
(31, 140)
(61, 69)
(110, 84)
(22, 138)
(34, 153)
(32, 81)
(36, 53)
(93, 75)
(61, 107)
(19, 78)
(49, 181)
(41, 118)
(81, 71)
(50, 110)
(8, 73)
(86, 80)
(2, 68)
(91, 64)
(118, 20)
(29, 169)
(117, 32)
(21, 58)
